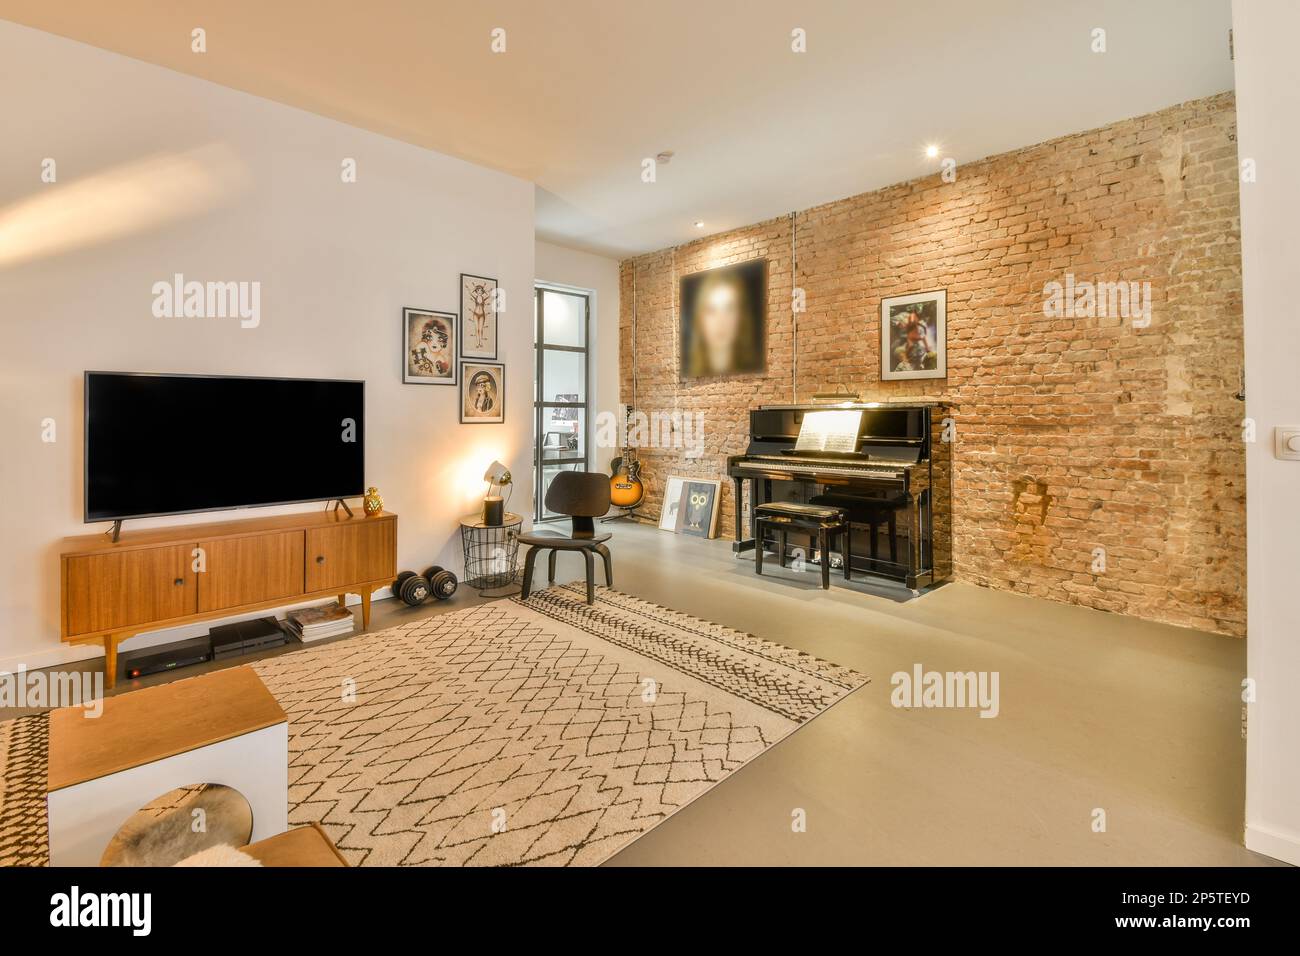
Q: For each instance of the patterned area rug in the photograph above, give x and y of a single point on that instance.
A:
(543, 732)
(24, 837)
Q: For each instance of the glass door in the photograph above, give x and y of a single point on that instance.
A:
(560, 397)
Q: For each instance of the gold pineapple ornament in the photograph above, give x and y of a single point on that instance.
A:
(374, 502)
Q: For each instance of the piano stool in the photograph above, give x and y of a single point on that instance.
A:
(825, 522)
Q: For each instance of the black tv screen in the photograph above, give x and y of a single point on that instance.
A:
(174, 444)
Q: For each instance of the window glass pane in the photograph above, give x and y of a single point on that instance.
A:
(563, 433)
(564, 376)
(559, 327)
(565, 318)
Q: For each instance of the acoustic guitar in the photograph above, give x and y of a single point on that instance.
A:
(625, 488)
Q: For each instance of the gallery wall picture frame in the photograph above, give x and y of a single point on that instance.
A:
(478, 317)
(428, 347)
(914, 336)
(482, 393)
(670, 510)
(723, 320)
(698, 511)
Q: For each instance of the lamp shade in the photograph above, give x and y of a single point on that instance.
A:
(497, 473)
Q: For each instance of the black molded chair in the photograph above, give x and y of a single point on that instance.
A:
(583, 496)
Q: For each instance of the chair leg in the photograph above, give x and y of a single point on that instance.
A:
(893, 538)
(825, 553)
(591, 576)
(758, 549)
(780, 548)
(875, 533)
(846, 553)
(530, 559)
(609, 564)
(550, 565)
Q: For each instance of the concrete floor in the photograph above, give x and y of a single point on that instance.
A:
(1097, 711)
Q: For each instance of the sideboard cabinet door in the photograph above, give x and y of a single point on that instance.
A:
(107, 591)
(351, 553)
(251, 570)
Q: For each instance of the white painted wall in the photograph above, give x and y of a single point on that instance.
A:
(1268, 92)
(598, 275)
(160, 173)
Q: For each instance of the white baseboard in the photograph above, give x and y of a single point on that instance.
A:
(51, 657)
(1277, 844)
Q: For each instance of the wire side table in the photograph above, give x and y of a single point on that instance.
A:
(491, 551)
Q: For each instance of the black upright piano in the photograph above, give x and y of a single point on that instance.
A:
(894, 482)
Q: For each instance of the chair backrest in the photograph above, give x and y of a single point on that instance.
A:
(582, 495)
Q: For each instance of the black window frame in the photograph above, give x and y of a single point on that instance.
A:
(540, 348)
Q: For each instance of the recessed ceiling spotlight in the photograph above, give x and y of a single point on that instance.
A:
(699, 223)
(932, 151)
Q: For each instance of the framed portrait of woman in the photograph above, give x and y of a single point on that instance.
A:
(429, 347)
(723, 320)
(482, 393)
(914, 336)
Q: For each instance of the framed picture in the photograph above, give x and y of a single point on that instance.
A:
(428, 347)
(670, 513)
(482, 393)
(478, 317)
(698, 509)
(914, 336)
(724, 320)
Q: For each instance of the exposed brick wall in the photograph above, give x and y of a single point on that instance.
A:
(1072, 433)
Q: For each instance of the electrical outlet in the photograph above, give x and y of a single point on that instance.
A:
(1286, 442)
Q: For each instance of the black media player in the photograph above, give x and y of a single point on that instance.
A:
(244, 637)
(180, 654)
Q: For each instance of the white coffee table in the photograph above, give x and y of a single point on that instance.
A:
(223, 727)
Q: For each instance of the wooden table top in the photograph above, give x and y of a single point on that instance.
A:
(157, 722)
(304, 846)
(133, 538)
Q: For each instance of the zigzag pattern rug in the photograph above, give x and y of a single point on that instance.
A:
(543, 732)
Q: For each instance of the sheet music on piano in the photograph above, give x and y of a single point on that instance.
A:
(831, 430)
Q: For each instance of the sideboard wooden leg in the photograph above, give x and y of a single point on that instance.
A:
(365, 609)
(343, 600)
(110, 661)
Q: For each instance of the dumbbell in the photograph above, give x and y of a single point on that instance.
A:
(412, 588)
(442, 583)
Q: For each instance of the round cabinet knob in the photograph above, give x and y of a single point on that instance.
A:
(1293, 443)
(178, 582)
(320, 559)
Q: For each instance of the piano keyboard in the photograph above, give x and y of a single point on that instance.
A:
(824, 466)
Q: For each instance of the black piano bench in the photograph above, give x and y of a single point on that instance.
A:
(822, 522)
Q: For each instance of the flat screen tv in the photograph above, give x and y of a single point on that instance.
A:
(179, 444)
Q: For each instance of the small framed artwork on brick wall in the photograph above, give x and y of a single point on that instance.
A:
(914, 336)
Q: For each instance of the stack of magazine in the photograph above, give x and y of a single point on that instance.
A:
(316, 623)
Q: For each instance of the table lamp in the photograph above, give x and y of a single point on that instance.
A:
(494, 507)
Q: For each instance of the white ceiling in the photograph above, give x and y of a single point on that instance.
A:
(588, 88)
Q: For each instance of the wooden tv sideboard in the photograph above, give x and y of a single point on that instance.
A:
(146, 580)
